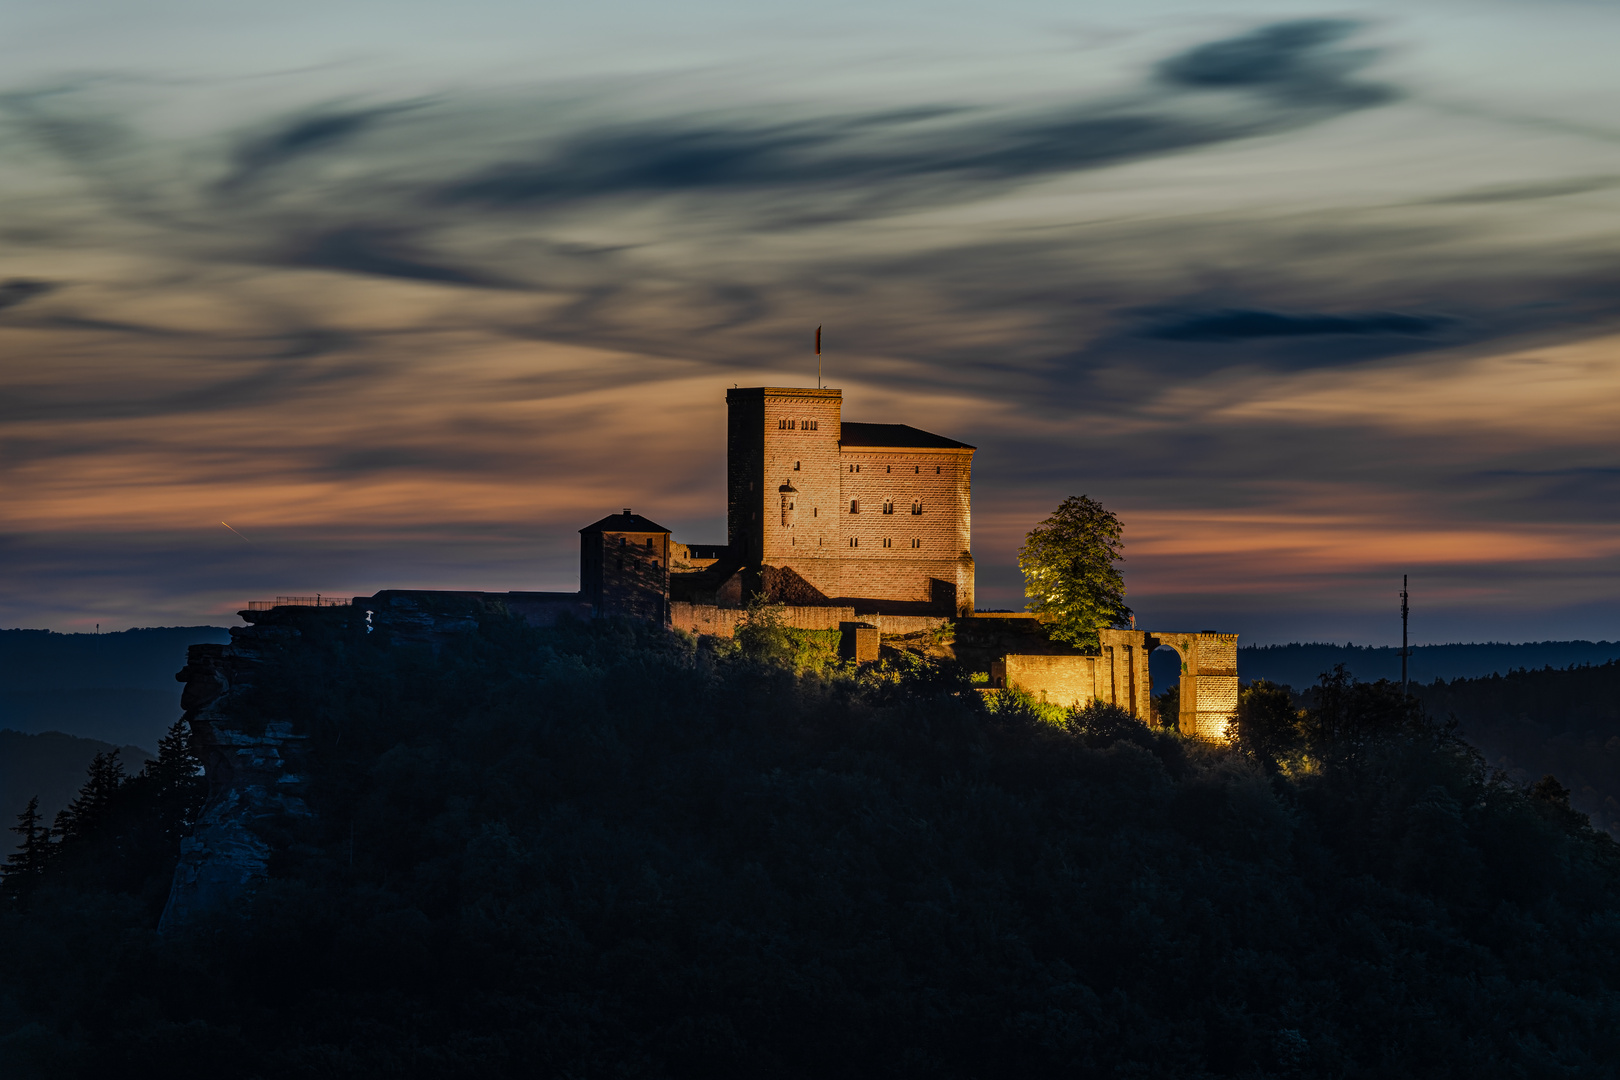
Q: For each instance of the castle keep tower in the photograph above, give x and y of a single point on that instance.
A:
(876, 512)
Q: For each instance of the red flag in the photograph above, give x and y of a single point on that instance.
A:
(818, 341)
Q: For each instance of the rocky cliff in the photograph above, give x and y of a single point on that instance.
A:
(256, 761)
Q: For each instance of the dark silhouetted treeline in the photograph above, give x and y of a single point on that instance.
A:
(605, 851)
(1300, 665)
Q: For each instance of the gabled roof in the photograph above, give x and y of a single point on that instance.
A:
(896, 435)
(625, 522)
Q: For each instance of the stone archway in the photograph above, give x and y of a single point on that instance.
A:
(1209, 680)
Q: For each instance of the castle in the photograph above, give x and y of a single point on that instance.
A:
(860, 528)
(819, 513)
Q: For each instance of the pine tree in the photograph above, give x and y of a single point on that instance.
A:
(90, 807)
(27, 863)
(175, 776)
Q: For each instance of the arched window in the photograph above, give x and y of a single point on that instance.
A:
(888, 506)
(854, 506)
(916, 506)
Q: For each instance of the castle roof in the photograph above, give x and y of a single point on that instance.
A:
(896, 435)
(625, 522)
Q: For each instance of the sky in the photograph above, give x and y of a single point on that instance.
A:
(1312, 297)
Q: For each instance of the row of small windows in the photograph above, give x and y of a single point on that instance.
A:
(886, 468)
(801, 425)
(888, 506)
(855, 542)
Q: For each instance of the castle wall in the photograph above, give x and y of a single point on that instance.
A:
(723, 622)
(907, 524)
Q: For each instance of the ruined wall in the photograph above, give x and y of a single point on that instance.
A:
(1056, 680)
(1209, 678)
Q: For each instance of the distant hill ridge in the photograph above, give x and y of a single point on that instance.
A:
(1299, 665)
(51, 765)
(117, 687)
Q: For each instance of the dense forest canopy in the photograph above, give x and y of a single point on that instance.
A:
(606, 850)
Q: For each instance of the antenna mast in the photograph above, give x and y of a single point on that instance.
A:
(1404, 650)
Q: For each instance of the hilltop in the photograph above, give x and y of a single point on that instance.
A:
(607, 850)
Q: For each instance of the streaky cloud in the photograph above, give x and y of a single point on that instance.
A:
(1305, 81)
(258, 155)
(1243, 325)
(380, 251)
(1547, 189)
(15, 291)
(1291, 61)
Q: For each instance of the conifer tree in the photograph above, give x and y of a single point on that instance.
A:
(27, 863)
(177, 784)
(95, 799)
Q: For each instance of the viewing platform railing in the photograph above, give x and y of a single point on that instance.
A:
(299, 601)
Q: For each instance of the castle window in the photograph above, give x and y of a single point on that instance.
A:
(815, 511)
(854, 506)
(795, 466)
(623, 541)
(888, 468)
(936, 470)
(916, 543)
(809, 425)
(916, 506)
(854, 541)
(887, 542)
(888, 506)
(916, 468)
(784, 425)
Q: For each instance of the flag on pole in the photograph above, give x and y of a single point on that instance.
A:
(818, 341)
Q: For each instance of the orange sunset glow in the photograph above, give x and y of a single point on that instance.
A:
(1305, 328)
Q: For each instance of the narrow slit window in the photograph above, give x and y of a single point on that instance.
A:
(916, 543)
(795, 466)
(854, 506)
(887, 542)
(854, 542)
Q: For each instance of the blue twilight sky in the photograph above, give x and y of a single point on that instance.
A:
(1311, 296)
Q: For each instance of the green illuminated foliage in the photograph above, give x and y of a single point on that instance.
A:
(1070, 576)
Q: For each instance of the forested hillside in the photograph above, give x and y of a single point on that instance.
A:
(608, 851)
(1530, 723)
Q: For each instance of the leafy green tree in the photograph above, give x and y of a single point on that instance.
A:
(1069, 572)
(1268, 725)
(27, 863)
